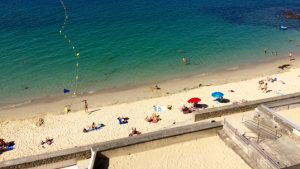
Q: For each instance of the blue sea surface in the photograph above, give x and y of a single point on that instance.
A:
(129, 42)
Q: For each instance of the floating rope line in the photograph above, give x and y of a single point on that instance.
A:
(75, 51)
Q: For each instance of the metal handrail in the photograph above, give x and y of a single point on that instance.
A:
(295, 126)
(255, 146)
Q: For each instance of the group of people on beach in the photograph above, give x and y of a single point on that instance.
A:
(290, 56)
(263, 84)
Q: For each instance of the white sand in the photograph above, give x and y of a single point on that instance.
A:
(66, 129)
(206, 153)
(292, 115)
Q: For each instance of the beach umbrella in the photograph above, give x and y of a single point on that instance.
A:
(217, 94)
(194, 100)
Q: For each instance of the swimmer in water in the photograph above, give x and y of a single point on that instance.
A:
(184, 60)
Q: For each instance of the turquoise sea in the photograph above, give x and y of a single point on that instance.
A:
(129, 42)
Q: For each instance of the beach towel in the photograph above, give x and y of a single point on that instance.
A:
(158, 108)
(122, 121)
(9, 147)
(279, 93)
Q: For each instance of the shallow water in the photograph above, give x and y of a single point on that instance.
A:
(131, 42)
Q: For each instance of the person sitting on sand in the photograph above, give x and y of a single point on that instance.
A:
(91, 127)
(265, 88)
(186, 109)
(134, 132)
(155, 119)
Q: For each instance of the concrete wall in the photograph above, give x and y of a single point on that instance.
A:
(254, 152)
(269, 116)
(47, 159)
(240, 107)
(152, 140)
(84, 152)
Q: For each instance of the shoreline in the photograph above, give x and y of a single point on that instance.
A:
(127, 94)
(67, 129)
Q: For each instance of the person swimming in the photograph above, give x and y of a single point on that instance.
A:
(184, 60)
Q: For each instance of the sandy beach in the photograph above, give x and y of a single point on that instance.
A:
(210, 152)
(292, 115)
(66, 129)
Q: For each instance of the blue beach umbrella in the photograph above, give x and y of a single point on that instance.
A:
(217, 94)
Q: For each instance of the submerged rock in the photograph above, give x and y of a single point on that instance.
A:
(291, 15)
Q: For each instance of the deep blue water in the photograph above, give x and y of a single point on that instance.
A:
(127, 42)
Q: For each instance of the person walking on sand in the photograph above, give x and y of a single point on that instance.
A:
(291, 56)
(86, 106)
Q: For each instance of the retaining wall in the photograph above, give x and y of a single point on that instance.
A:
(242, 107)
(84, 152)
(254, 152)
(149, 141)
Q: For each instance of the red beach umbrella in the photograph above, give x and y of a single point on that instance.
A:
(194, 100)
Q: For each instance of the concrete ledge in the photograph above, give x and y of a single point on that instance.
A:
(152, 136)
(84, 152)
(149, 141)
(282, 122)
(242, 107)
(47, 158)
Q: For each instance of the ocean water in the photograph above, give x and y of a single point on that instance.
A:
(129, 42)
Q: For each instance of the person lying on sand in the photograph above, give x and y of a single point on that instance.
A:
(154, 118)
(134, 132)
(186, 109)
(48, 141)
